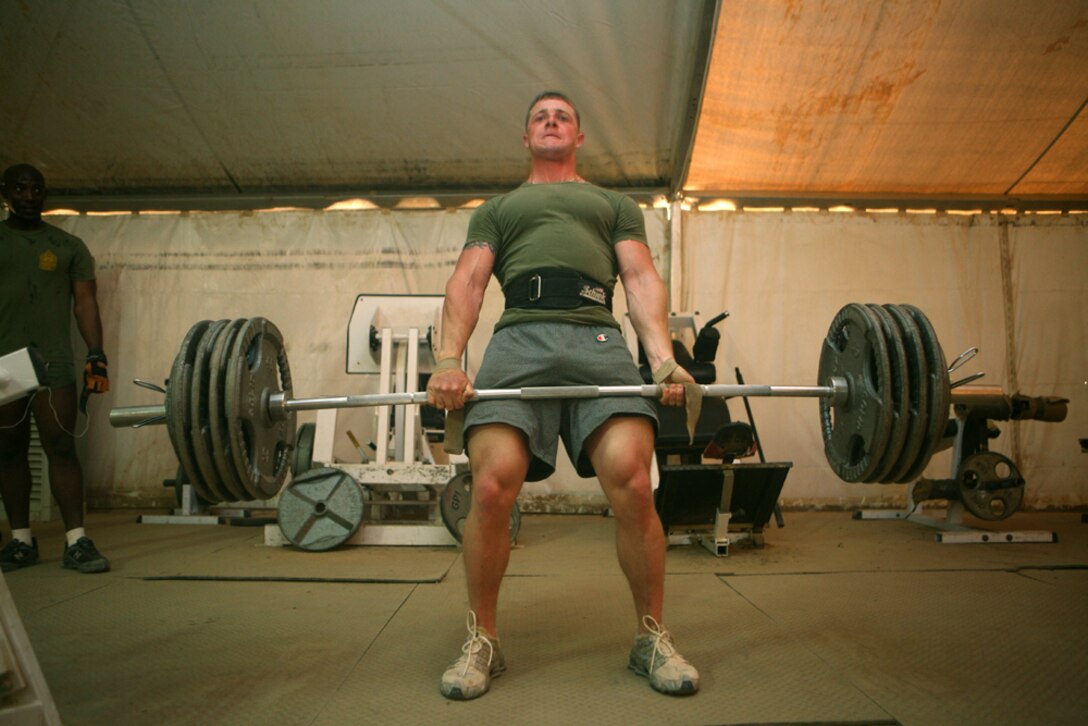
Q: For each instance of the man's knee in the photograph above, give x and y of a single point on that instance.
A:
(59, 446)
(494, 492)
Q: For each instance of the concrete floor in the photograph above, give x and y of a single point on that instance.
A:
(834, 621)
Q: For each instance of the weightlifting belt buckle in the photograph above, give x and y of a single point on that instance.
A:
(535, 285)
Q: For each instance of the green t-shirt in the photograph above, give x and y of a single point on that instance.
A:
(571, 225)
(37, 268)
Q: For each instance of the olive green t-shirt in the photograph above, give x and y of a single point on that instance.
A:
(37, 268)
(571, 225)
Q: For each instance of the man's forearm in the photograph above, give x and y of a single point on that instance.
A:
(460, 313)
(89, 323)
(648, 306)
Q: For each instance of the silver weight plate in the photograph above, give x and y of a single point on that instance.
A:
(200, 412)
(918, 404)
(856, 432)
(991, 486)
(455, 502)
(178, 420)
(303, 458)
(218, 429)
(260, 446)
(320, 509)
(939, 393)
(900, 387)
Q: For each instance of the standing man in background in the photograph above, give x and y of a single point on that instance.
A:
(46, 275)
(557, 244)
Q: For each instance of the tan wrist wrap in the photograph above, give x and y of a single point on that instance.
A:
(665, 370)
(447, 364)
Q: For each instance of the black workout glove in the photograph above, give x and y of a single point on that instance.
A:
(96, 377)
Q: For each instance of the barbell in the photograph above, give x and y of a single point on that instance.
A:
(884, 395)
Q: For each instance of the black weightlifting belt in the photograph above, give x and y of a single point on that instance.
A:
(555, 289)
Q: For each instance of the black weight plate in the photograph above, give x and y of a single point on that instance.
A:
(180, 480)
(200, 413)
(320, 509)
(900, 387)
(939, 393)
(260, 445)
(303, 458)
(918, 404)
(218, 363)
(178, 421)
(991, 486)
(856, 432)
(456, 501)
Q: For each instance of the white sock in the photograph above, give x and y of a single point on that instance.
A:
(24, 536)
(73, 535)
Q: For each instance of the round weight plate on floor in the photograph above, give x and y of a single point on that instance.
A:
(221, 442)
(455, 502)
(199, 411)
(856, 432)
(303, 458)
(918, 404)
(900, 388)
(991, 486)
(320, 509)
(260, 445)
(939, 393)
(178, 421)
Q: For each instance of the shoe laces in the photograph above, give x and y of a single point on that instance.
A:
(475, 643)
(662, 640)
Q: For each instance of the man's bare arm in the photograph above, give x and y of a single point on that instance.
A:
(85, 309)
(464, 298)
(648, 305)
(449, 387)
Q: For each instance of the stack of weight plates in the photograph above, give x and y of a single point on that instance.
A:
(217, 410)
(896, 411)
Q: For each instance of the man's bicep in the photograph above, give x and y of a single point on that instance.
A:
(84, 290)
(633, 259)
(474, 266)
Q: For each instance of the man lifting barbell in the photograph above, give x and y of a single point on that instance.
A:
(557, 244)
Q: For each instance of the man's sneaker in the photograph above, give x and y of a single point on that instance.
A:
(481, 660)
(655, 657)
(17, 553)
(83, 556)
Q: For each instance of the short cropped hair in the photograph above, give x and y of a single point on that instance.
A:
(15, 170)
(552, 94)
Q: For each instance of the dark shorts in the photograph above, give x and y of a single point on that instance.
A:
(59, 374)
(556, 354)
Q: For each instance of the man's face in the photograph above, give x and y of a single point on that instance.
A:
(24, 193)
(553, 129)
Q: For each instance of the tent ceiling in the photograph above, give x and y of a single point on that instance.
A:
(257, 97)
(907, 98)
(275, 99)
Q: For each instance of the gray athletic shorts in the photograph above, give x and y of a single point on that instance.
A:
(556, 354)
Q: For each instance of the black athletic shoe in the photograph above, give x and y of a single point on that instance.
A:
(83, 556)
(17, 554)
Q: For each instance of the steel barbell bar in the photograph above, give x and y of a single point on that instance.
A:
(278, 404)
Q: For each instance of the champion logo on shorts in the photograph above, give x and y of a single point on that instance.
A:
(602, 338)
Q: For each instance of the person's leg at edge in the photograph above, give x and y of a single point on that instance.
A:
(15, 478)
(621, 451)
(499, 456)
(55, 414)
